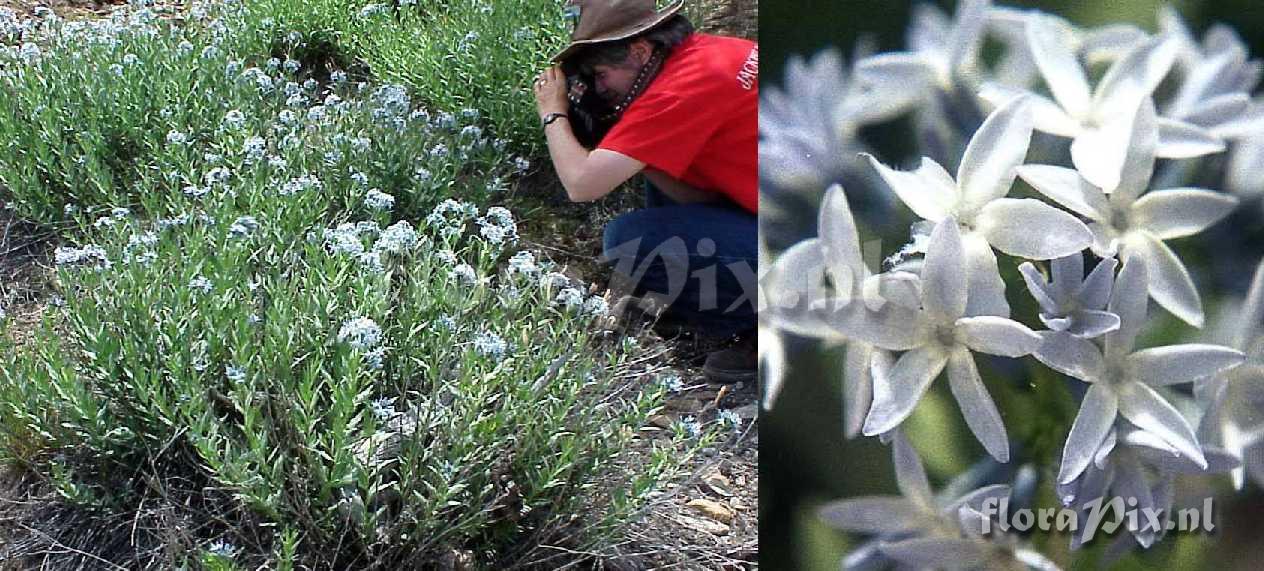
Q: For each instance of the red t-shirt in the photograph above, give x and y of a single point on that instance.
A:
(698, 120)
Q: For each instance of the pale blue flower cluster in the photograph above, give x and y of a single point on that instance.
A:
(378, 200)
(360, 333)
(489, 344)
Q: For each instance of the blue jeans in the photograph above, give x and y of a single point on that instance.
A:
(699, 259)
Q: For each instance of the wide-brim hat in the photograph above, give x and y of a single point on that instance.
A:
(603, 21)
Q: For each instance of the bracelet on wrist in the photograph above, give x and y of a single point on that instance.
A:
(551, 117)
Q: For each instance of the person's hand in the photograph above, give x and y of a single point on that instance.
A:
(550, 91)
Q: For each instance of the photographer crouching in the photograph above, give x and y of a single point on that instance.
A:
(638, 91)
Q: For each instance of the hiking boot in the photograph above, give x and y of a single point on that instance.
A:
(738, 363)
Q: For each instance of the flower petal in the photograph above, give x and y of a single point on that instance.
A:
(931, 552)
(889, 327)
(987, 290)
(924, 190)
(1094, 293)
(1067, 273)
(1050, 40)
(872, 514)
(1130, 482)
(1179, 212)
(1181, 140)
(1091, 323)
(1170, 283)
(1144, 407)
(772, 357)
(944, 273)
(997, 336)
(1128, 300)
(1098, 152)
(1096, 416)
(910, 475)
(966, 33)
(1138, 166)
(986, 171)
(840, 243)
(1047, 116)
(1134, 77)
(976, 404)
(1172, 364)
(857, 386)
(1029, 228)
(1070, 355)
(1038, 287)
(1066, 187)
(896, 394)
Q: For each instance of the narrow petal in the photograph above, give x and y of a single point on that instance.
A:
(896, 395)
(1144, 407)
(1029, 228)
(1094, 293)
(910, 475)
(772, 358)
(997, 336)
(1091, 323)
(944, 273)
(1128, 300)
(1172, 364)
(857, 386)
(910, 70)
(931, 552)
(1181, 140)
(987, 290)
(1180, 212)
(1050, 40)
(1096, 416)
(976, 404)
(1066, 187)
(1130, 482)
(1099, 152)
(840, 243)
(1067, 273)
(1134, 77)
(1038, 287)
(1047, 116)
(1070, 355)
(889, 327)
(1138, 166)
(1252, 313)
(872, 514)
(922, 190)
(1217, 111)
(1170, 283)
(966, 33)
(986, 171)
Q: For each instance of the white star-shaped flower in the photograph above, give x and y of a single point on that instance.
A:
(1026, 228)
(1133, 225)
(942, 335)
(1099, 120)
(1124, 381)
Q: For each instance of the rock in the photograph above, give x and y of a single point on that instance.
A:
(712, 509)
(661, 421)
(704, 525)
(747, 412)
(718, 484)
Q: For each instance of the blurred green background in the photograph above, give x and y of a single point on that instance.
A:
(804, 459)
